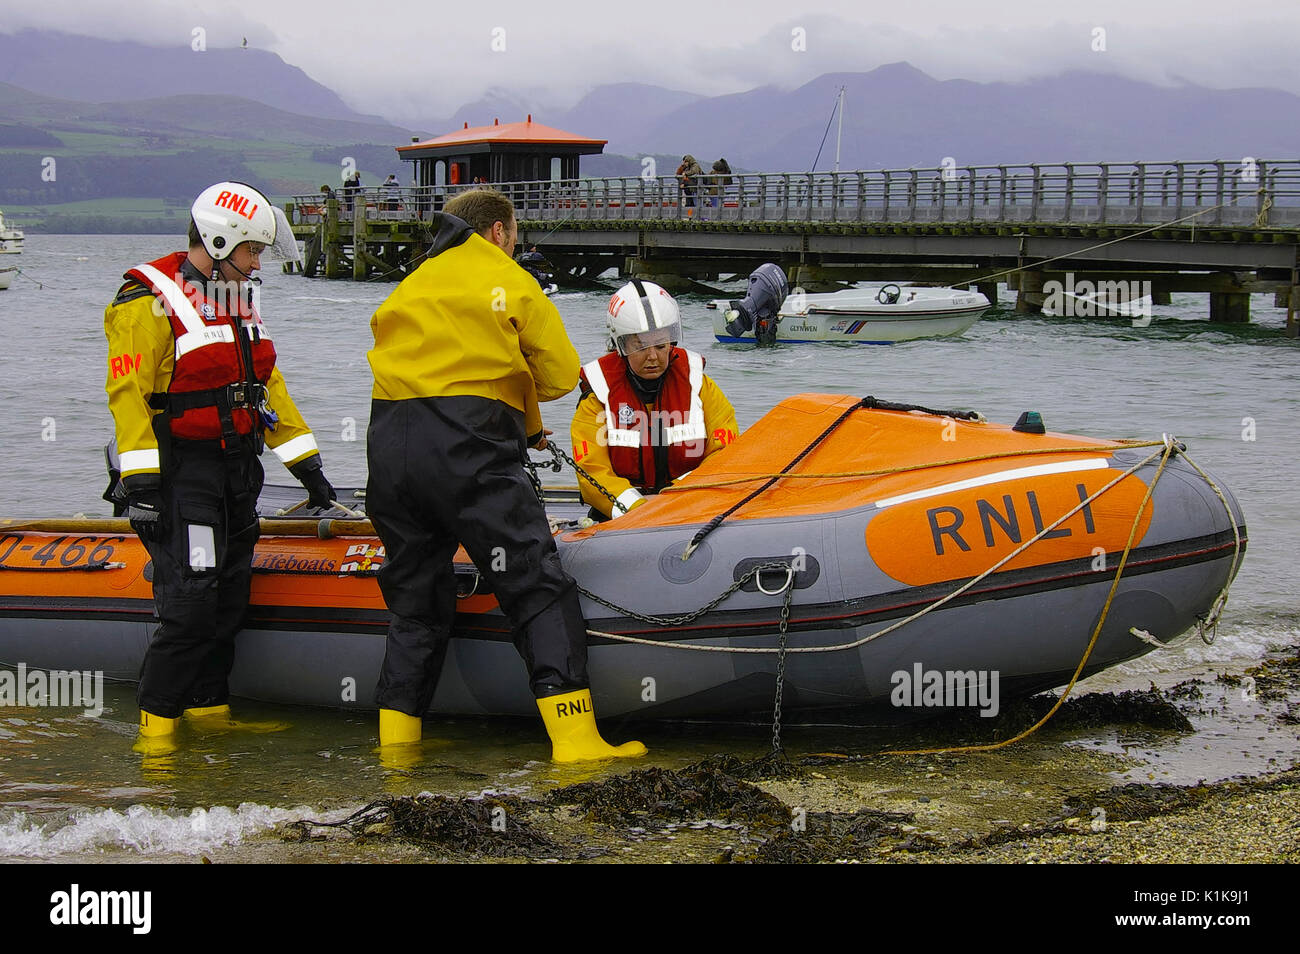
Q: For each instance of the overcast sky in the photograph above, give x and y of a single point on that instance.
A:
(411, 59)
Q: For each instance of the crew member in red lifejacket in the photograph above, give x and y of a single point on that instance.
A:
(648, 413)
(195, 395)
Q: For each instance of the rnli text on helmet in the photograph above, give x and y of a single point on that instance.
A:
(236, 203)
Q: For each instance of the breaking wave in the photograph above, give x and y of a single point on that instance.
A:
(143, 829)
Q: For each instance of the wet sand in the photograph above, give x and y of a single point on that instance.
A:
(1050, 798)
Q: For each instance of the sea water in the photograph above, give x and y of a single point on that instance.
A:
(72, 789)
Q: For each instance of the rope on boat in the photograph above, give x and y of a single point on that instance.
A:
(716, 522)
(101, 565)
(887, 471)
(871, 636)
(1169, 447)
(1092, 248)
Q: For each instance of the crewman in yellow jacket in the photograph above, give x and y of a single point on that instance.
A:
(648, 413)
(465, 348)
(195, 394)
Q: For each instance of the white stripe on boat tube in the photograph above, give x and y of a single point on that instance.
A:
(295, 448)
(1038, 470)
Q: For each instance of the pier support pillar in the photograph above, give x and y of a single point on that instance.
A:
(1229, 307)
(989, 290)
(331, 240)
(1029, 300)
(1292, 325)
(359, 266)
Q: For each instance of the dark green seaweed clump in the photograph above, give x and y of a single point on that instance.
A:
(492, 826)
(710, 788)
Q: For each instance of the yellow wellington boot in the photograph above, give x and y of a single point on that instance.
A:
(220, 719)
(398, 728)
(157, 735)
(571, 724)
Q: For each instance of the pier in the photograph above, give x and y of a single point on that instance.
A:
(1223, 228)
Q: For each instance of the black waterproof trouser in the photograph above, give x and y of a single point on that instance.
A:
(449, 470)
(202, 571)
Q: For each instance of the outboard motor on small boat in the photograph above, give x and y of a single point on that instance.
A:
(535, 264)
(758, 309)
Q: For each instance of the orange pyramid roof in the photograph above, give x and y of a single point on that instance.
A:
(524, 132)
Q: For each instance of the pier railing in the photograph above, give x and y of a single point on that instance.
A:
(1240, 193)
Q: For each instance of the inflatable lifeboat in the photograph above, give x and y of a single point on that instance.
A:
(871, 555)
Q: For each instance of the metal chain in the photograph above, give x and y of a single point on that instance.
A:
(711, 605)
(531, 468)
(559, 455)
(780, 668)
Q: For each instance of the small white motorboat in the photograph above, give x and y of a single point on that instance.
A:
(6, 276)
(11, 239)
(879, 314)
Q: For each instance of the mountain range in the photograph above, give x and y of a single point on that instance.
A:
(101, 100)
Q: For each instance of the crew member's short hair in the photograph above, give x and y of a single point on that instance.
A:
(481, 208)
(193, 235)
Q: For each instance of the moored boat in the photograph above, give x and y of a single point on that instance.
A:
(875, 315)
(899, 543)
(11, 239)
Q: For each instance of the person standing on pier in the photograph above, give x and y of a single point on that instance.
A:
(195, 394)
(465, 348)
(688, 174)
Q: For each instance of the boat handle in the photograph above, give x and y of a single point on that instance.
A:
(789, 582)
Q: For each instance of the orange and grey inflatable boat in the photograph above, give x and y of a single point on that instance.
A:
(877, 555)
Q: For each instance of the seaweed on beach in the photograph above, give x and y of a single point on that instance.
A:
(1135, 801)
(831, 836)
(711, 788)
(1148, 708)
(1138, 800)
(494, 826)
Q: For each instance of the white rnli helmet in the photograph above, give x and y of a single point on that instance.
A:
(229, 213)
(642, 315)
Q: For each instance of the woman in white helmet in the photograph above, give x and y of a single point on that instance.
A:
(195, 395)
(648, 413)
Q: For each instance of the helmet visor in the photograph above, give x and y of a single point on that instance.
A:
(639, 341)
(285, 246)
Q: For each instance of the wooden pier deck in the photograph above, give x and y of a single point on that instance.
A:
(1223, 228)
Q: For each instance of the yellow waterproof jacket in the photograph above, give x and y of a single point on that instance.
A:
(141, 356)
(592, 454)
(471, 322)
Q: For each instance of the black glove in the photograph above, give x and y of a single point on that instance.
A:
(311, 474)
(144, 509)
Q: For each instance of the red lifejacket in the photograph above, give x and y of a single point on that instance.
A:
(633, 433)
(208, 356)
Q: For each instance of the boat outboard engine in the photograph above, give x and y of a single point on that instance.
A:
(758, 309)
(535, 264)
